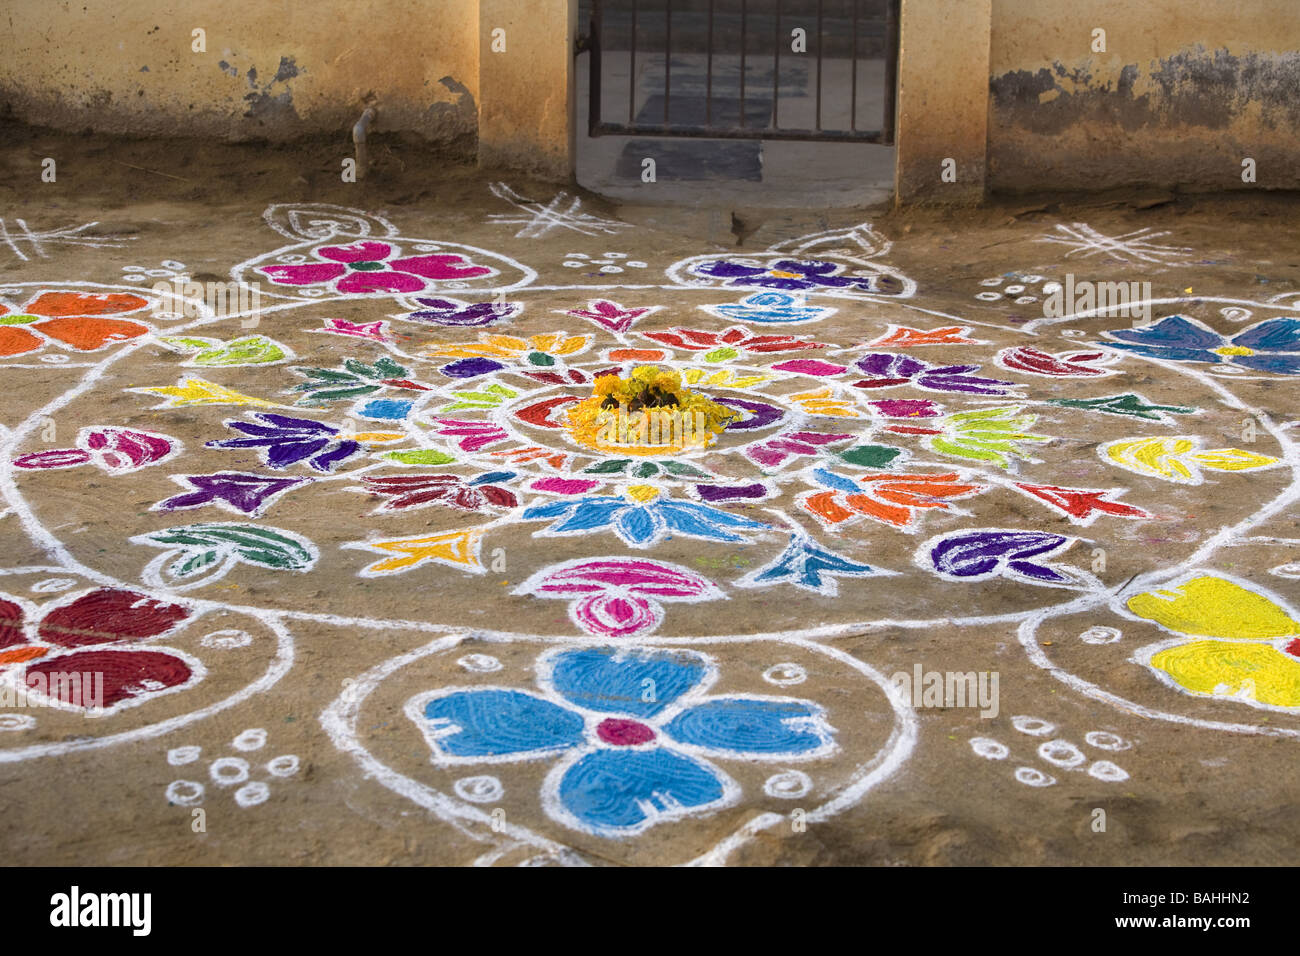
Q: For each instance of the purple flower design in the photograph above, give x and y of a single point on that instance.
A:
(290, 440)
(886, 371)
(365, 268)
(451, 312)
(794, 275)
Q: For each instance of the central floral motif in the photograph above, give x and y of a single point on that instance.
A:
(648, 413)
(634, 730)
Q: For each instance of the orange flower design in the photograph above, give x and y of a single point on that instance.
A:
(891, 499)
(75, 320)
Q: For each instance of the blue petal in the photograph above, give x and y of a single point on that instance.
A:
(701, 521)
(838, 482)
(638, 526)
(1282, 364)
(589, 514)
(1166, 353)
(552, 509)
(625, 682)
(1275, 335)
(625, 791)
(752, 725)
(1172, 332)
(499, 723)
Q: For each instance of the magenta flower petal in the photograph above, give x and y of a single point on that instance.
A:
(357, 252)
(307, 274)
(363, 282)
(439, 267)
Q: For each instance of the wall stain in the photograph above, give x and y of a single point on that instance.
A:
(1194, 87)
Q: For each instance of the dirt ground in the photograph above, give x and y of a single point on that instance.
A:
(408, 614)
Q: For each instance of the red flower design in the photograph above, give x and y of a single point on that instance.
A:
(81, 654)
(737, 337)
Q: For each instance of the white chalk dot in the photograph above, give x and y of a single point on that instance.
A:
(610, 270)
(996, 280)
(226, 639)
(1034, 778)
(635, 264)
(17, 722)
(184, 792)
(573, 264)
(785, 675)
(988, 296)
(283, 766)
(484, 789)
(789, 785)
(1106, 741)
(1286, 570)
(1105, 770)
(1061, 753)
(615, 255)
(1026, 299)
(172, 264)
(1014, 289)
(480, 663)
(254, 738)
(1101, 635)
(1050, 287)
(178, 756)
(989, 748)
(251, 794)
(1031, 280)
(229, 770)
(1034, 726)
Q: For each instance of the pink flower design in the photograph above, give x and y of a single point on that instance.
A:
(368, 268)
(619, 597)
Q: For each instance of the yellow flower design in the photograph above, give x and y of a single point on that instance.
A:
(648, 413)
(537, 349)
(1245, 646)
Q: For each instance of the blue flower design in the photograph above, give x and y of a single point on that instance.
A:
(633, 730)
(809, 566)
(1269, 346)
(290, 440)
(642, 519)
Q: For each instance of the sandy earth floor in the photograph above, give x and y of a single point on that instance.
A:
(355, 590)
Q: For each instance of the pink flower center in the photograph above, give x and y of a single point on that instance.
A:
(624, 733)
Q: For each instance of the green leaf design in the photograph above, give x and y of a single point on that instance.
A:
(214, 353)
(420, 456)
(612, 466)
(871, 456)
(325, 385)
(681, 469)
(987, 435)
(198, 554)
(489, 397)
(1129, 404)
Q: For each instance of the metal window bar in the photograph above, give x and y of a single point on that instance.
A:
(699, 18)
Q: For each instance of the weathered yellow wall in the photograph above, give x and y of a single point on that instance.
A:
(526, 116)
(1184, 92)
(272, 69)
(943, 93)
